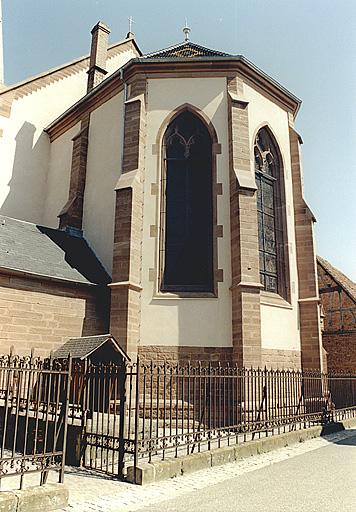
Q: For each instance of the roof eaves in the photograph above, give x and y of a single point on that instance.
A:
(160, 60)
(270, 79)
(35, 275)
(334, 273)
(89, 95)
(88, 353)
(236, 57)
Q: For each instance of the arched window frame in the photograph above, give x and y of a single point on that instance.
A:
(269, 173)
(216, 190)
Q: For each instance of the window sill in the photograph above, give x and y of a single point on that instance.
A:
(273, 299)
(184, 295)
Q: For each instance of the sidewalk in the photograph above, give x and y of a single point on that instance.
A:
(89, 491)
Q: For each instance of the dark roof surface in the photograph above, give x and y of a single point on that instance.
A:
(80, 348)
(346, 283)
(186, 49)
(48, 252)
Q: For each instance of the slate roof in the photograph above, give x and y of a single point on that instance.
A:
(348, 286)
(48, 252)
(81, 348)
(184, 50)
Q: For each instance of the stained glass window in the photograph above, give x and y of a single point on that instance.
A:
(187, 252)
(267, 169)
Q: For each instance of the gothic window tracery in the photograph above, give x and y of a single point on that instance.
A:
(187, 249)
(270, 213)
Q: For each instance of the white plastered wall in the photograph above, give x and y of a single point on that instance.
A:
(279, 323)
(23, 185)
(25, 151)
(103, 171)
(58, 178)
(181, 321)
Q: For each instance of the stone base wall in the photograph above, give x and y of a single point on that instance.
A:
(278, 359)
(341, 351)
(183, 354)
(275, 359)
(42, 315)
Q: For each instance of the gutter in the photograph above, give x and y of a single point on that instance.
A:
(119, 74)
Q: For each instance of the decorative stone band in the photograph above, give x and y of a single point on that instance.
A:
(246, 284)
(126, 284)
(310, 300)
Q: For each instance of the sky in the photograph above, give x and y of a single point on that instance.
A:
(309, 46)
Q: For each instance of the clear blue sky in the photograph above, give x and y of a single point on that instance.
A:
(307, 45)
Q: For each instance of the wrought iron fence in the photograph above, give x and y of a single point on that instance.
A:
(183, 409)
(34, 400)
(149, 411)
(120, 414)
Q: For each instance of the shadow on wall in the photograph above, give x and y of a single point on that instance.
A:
(25, 199)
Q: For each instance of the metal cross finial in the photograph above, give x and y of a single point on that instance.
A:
(186, 30)
(131, 21)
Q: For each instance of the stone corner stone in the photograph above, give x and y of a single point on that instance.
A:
(46, 497)
(195, 462)
(8, 502)
(165, 469)
(223, 455)
(145, 474)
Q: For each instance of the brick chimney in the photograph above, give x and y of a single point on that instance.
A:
(98, 54)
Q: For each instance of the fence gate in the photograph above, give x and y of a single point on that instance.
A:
(34, 407)
(101, 392)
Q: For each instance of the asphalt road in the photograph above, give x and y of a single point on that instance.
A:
(318, 481)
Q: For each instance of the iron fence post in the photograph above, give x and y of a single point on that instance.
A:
(121, 375)
(65, 419)
(137, 406)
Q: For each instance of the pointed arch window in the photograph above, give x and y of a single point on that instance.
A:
(271, 213)
(187, 213)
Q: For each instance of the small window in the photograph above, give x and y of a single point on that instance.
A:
(270, 214)
(187, 249)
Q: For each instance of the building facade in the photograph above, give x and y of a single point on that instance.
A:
(338, 299)
(182, 171)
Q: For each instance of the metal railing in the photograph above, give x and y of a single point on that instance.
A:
(138, 411)
(34, 400)
(175, 410)
(121, 414)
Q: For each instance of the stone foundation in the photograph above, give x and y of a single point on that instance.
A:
(278, 359)
(275, 359)
(183, 354)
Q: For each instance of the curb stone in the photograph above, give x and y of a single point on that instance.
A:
(150, 472)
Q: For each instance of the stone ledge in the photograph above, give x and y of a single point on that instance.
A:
(150, 472)
(46, 497)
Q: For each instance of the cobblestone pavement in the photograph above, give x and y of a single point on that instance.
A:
(90, 492)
